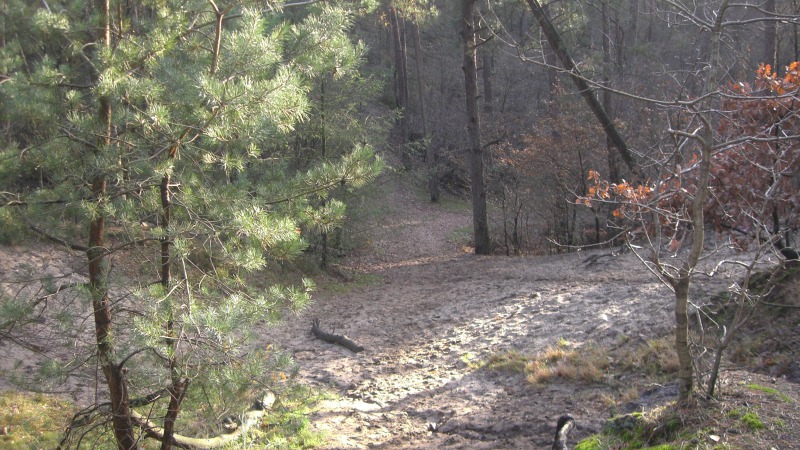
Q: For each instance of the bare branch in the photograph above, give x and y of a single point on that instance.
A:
(58, 240)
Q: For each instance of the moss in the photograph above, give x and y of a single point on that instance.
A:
(624, 423)
(752, 421)
(590, 443)
(629, 428)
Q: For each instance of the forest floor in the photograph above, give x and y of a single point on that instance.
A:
(452, 341)
(430, 314)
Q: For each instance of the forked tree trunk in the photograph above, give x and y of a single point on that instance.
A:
(480, 222)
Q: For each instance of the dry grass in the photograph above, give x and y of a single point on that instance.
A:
(589, 363)
(654, 358)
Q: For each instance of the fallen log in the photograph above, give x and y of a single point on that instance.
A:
(344, 341)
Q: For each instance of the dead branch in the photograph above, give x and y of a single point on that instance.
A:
(344, 341)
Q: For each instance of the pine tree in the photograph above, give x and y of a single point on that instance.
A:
(152, 135)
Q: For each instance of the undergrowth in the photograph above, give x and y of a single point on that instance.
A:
(38, 421)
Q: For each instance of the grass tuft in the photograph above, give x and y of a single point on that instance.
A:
(752, 421)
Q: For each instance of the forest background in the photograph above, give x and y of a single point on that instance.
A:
(204, 144)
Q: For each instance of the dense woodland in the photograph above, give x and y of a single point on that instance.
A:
(203, 142)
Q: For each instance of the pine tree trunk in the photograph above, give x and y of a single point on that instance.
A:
(98, 277)
(480, 222)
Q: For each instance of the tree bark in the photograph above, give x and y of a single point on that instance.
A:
(685, 366)
(633, 42)
(583, 87)
(480, 222)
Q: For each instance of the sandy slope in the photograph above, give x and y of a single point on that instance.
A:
(437, 307)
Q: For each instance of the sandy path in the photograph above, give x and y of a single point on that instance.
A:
(437, 307)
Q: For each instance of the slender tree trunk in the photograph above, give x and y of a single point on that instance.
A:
(323, 263)
(480, 222)
(430, 154)
(178, 385)
(488, 93)
(401, 81)
(685, 366)
(420, 79)
(98, 276)
(583, 87)
(177, 391)
(739, 319)
(698, 220)
(682, 283)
